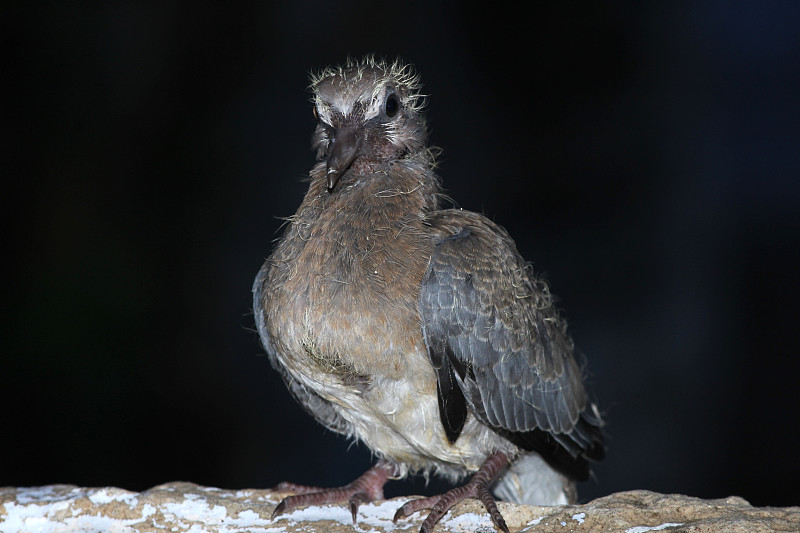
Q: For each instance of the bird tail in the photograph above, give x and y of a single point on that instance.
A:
(530, 480)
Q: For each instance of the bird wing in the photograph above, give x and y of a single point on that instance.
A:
(499, 347)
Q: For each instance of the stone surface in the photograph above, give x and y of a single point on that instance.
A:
(178, 507)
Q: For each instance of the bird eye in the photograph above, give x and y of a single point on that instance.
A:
(392, 105)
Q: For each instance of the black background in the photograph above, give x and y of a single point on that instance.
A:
(643, 155)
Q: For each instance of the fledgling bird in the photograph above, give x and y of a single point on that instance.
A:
(418, 330)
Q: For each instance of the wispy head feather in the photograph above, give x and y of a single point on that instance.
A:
(397, 73)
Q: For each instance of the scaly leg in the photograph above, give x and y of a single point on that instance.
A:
(367, 488)
(477, 487)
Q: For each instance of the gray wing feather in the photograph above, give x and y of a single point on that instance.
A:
(512, 357)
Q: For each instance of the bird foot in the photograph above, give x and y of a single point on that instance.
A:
(477, 487)
(367, 488)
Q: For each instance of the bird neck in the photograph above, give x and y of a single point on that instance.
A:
(395, 190)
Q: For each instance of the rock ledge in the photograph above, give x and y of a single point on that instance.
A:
(178, 507)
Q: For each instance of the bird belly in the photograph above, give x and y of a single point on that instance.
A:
(401, 422)
(397, 416)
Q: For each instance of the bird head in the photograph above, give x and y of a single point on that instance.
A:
(369, 114)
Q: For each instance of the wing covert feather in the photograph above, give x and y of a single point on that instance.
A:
(484, 312)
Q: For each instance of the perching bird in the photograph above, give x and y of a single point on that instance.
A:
(418, 330)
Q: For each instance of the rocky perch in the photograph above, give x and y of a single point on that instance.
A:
(177, 507)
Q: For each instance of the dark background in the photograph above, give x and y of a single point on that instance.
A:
(643, 155)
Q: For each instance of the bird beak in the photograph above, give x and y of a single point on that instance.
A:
(341, 153)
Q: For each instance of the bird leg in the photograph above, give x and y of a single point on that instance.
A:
(367, 488)
(477, 487)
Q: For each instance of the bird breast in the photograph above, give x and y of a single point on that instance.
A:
(343, 296)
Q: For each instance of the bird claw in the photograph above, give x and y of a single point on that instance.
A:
(356, 500)
(279, 509)
(323, 496)
(477, 487)
(412, 506)
(439, 505)
(305, 495)
(365, 489)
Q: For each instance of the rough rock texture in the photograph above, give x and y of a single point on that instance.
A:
(177, 507)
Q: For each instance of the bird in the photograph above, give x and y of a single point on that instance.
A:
(415, 328)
